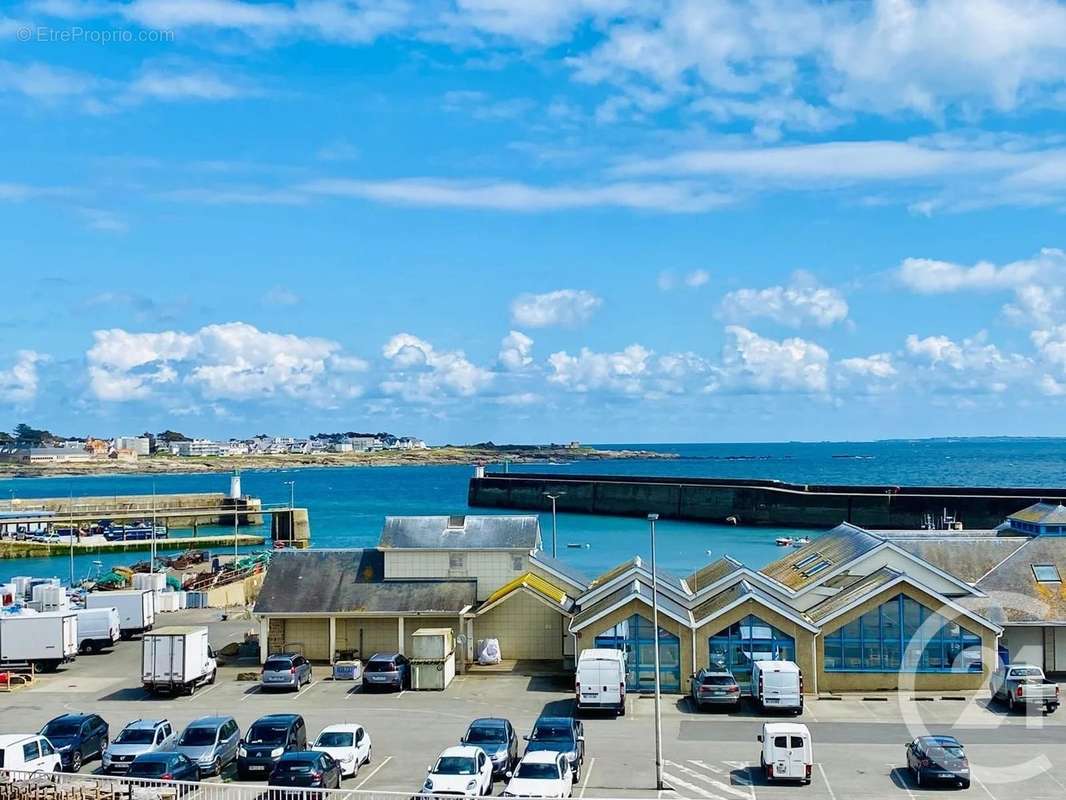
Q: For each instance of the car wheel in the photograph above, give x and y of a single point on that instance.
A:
(75, 761)
(103, 746)
(1010, 703)
(216, 767)
(964, 784)
(214, 674)
(369, 754)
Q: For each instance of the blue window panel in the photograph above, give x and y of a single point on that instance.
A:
(635, 637)
(742, 644)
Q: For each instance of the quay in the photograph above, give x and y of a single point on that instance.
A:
(173, 510)
(25, 549)
(756, 502)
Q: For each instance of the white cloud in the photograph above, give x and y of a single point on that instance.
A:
(1051, 343)
(930, 276)
(1036, 305)
(878, 365)
(753, 363)
(516, 351)
(196, 85)
(566, 307)
(427, 375)
(232, 360)
(18, 383)
(589, 371)
(669, 280)
(801, 303)
(941, 364)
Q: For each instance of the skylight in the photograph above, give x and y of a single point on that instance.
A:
(1046, 573)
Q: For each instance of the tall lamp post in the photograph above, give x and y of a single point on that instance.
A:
(292, 493)
(555, 527)
(655, 632)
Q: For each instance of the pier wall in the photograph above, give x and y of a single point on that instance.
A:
(755, 502)
(214, 505)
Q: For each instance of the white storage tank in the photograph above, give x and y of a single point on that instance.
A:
(22, 586)
(153, 581)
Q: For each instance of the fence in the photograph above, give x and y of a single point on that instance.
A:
(15, 785)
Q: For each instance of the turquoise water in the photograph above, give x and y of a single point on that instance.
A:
(348, 505)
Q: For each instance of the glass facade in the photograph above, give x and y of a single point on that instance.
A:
(892, 637)
(635, 638)
(746, 642)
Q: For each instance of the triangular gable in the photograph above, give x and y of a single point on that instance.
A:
(741, 593)
(636, 590)
(533, 584)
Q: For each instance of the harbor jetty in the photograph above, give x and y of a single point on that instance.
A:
(756, 502)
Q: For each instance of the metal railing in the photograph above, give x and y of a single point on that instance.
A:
(20, 785)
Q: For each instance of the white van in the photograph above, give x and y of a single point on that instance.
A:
(777, 685)
(98, 628)
(27, 752)
(601, 680)
(787, 754)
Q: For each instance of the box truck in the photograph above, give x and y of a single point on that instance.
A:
(43, 640)
(97, 628)
(176, 659)
(136, 609)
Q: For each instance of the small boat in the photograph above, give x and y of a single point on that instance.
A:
(801, 541)
(731, 520)
(784, 541)
(578, 545)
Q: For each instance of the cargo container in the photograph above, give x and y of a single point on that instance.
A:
(136, 609)
(176, 659)
(43, 640)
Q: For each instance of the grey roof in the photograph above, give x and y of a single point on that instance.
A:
(715, 571)
(742, 590)
(559, 566)
(629, 590)
(663, 576)
(475, 532)
(1042, 514)
(968, 559)
(859, 589)
(1016, 594)
(341, 581)
(840, 546)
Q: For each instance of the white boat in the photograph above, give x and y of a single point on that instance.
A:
(784, 541)
(801, 541)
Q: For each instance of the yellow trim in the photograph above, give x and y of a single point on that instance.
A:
(530, 581)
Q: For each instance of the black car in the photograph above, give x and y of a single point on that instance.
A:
(161, 766)
(938, 759)
(387, 671)
(497, 738)
(77, 738)
(266, 741)
(306, 769)
(564, 735)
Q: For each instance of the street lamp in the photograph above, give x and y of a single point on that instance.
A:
(555, 527)
(655, 632)
(292, 493)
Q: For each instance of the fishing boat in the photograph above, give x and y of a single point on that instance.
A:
(784, 541)
(801, 541)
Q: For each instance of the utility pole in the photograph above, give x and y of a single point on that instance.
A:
(555, 527)
(292, 493)
(655, 632)
(152, 564)
(70, 535)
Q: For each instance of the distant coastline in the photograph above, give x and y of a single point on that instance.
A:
(165, 463)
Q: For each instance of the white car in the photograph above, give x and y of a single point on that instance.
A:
(541, 773)
(462, 770)
(348, 744)
(28, 752)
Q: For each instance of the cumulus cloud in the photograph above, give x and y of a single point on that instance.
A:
(423, 374)
(18, 383)
(566, 307)
(754, 363)
(232, 360)
(930, 276)
(878, 365)
(516, 351)
(973, 364)
(669, 280)
(799, 304)
(589, 371)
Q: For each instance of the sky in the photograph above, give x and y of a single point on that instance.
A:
(534, 220)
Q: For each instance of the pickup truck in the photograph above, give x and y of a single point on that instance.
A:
(1023, 686)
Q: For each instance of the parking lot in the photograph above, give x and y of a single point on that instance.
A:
(858, 744)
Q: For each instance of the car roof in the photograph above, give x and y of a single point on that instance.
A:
(145, 723)
(554, 721)
(289, 656)
(489, 722)
(709, 671)
(300, 755)
(388, 655)
(158, 755)
(73, 716)
(461, 750)
(785, 727)
(541, 757)
(341, 727)
(14, 738)
(213, 720)
(289, 718)
(940, 740)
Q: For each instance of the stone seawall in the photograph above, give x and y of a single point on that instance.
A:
(755, 502)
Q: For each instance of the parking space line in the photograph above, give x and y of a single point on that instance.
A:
(716, 784)
(190, 698)
(825, 780)
(373, 772)
(897, 779)
(249, 692)
(982, 785)
(585, 783)
(304, 690)
(674, 782)
(706, 766)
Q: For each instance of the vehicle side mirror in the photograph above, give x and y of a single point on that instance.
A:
(509, 774)
(758, 738)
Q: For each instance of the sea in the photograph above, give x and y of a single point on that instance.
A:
(347, 505)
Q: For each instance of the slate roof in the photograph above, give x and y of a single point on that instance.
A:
(1015, 591)
(559, 566)
(968, 559)
(857, 590)
(742, 590)
(671, 580)
(841, 545)
(474, 532)
(345, 581)
(627, 591)
(1042, 514)
(714, 571)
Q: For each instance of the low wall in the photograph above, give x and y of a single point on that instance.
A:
(755, 502)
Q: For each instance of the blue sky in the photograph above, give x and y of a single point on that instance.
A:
(532, 220)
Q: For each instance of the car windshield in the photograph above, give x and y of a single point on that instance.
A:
(147, 769)
(1028, 672)
(480, 735)
(717, 680)
(61, 727)
(335, 739)
(542, 772)
(455, 765)
(553, 733)
(136, 736)
(267, 734)
(277, 665)
(380, 666)
(197, 737)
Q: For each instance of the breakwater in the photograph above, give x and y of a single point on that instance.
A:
(185, 510)
(21, 549)
(755, 502)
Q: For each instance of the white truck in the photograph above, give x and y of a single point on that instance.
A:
(43, 640)
(1023, 686)
(600, 681)
(136, 609)
(177, 659)
(97, 628)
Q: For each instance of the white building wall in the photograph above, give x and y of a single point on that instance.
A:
(1025, 644)
(491, 568)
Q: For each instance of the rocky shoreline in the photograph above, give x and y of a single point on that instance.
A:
(160, 464)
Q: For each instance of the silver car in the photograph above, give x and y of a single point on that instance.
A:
(285, 671)
(210, 743)
(139, 737)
